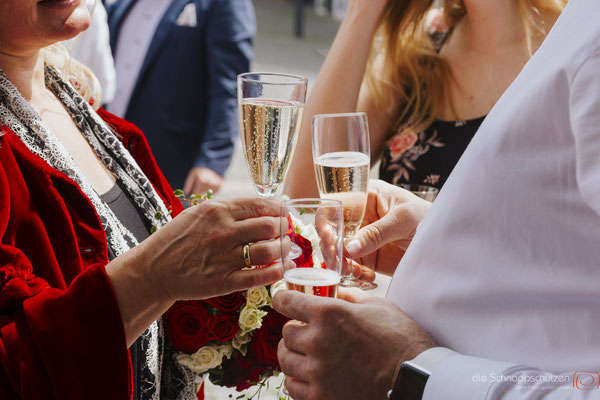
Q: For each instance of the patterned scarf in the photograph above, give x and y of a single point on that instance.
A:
(22, 119)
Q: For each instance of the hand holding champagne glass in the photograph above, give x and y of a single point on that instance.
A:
(341, 154)
(270, 110)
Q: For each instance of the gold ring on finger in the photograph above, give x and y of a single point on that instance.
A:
(247, 260)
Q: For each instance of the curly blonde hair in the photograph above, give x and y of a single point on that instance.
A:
(80, 76)
(406, 75)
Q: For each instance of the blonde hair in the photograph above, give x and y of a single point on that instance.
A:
(406, 76)
(80, 76)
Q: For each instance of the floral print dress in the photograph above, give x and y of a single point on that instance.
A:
(427, 157)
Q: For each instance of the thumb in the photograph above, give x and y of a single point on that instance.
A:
(372, 237)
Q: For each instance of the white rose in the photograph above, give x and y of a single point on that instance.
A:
(207, 357)
(240, 339)
(258, 297)
(226, 350)
(277, 286)
(250, 318)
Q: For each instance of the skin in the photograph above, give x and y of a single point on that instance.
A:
(200, 179)
(391, 219)
(344, 348)
(485, 53)
(197, 255)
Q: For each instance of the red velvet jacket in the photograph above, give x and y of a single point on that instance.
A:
(61, 333)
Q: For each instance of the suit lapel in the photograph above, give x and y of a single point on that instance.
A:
(116, 13)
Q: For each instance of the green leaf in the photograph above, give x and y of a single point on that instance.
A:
(209, 194)
(314, 202)
(241, 396)
(153, 229)
(302, 211)
(158, 215)
(179, 193)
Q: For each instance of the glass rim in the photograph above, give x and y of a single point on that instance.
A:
(415, 187)
(300, 79)
(340, 115)
(312, 202)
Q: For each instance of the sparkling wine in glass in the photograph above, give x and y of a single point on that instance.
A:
(316, 227)
(270, 112)
(341, 155)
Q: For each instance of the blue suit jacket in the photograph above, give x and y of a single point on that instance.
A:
(185, 96)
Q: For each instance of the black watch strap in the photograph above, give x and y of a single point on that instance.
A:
(410, 383)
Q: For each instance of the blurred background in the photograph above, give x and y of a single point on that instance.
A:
(286, 43)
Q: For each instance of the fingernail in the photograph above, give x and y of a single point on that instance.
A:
(353, 246)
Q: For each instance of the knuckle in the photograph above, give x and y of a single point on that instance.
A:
(325, 311)
(373, 234)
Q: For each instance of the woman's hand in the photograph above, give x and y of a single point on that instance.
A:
(200, 253)
(197, 255)
(390, 223)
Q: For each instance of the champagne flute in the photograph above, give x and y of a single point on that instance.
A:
(316, 226)
(270, 110)
(316, 229)
(341, 154)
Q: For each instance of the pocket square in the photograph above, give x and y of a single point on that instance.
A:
(187, 16)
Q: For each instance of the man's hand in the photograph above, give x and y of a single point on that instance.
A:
(200, 179)
(390, 223)
(345, 348)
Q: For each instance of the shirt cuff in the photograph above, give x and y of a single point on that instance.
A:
(460, 377)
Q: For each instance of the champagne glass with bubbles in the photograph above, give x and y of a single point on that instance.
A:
(341, 154)
(270, 109)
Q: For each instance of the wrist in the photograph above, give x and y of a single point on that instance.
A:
(362, 16)
(138, 302)
(146, 263)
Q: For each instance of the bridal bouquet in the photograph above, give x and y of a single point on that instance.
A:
(233, 339)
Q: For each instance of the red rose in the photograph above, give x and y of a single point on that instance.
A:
(265, 340)
(223, 327)
(186, 326)
(241, 372)
(305, 259)
(228, 303)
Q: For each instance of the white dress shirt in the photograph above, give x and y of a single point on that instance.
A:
(505, 269)
(134, 40)
(92, 49)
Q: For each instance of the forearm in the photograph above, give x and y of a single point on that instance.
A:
(336, 90)
(139, 301)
